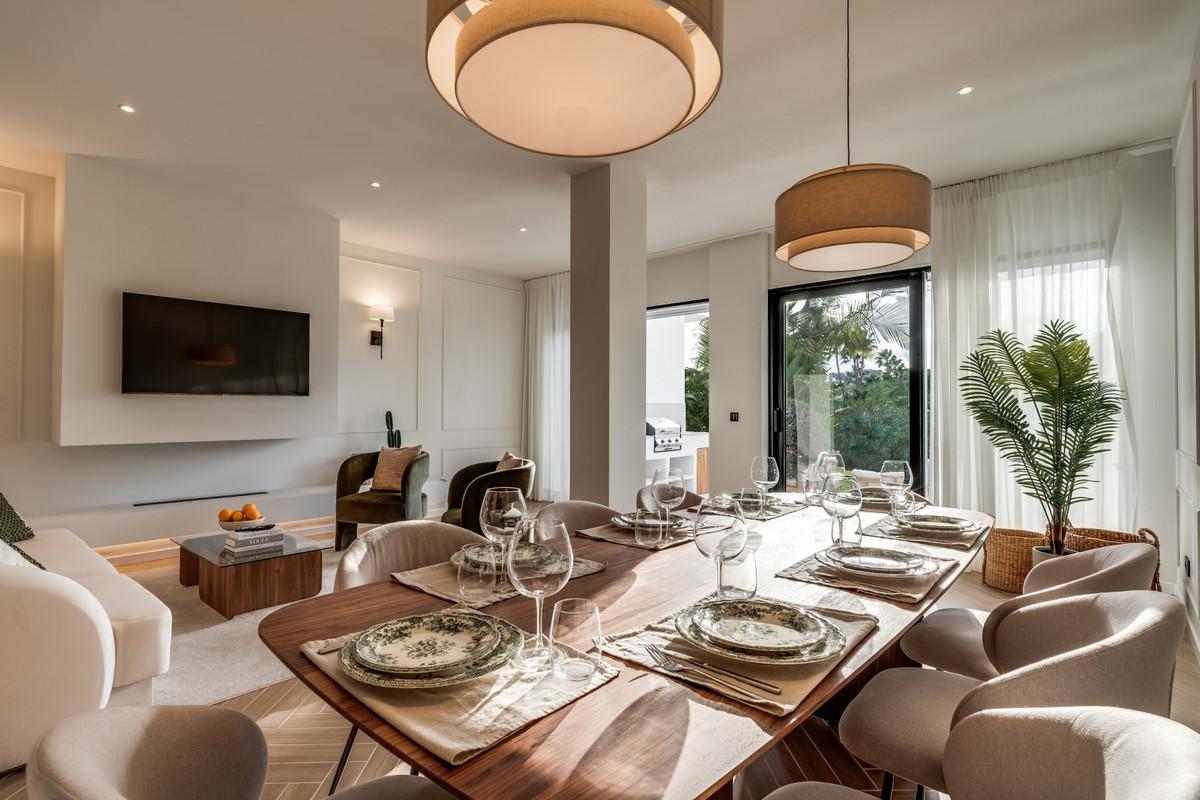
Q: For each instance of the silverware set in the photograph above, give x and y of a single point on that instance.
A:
(686, 666)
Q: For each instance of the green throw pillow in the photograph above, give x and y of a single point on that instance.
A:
(29, 558)
(12, 528)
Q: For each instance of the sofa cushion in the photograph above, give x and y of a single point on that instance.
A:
(509, 461)
(63, 552)
(390, 468)
(141, 626)
(13, 528)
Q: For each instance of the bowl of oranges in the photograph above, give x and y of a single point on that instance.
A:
(234, 519)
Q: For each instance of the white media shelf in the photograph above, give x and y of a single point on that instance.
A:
(683, 459)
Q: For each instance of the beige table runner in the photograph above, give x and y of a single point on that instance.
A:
(902, 589)
(441, 580)
(796, 681)
(457, 723)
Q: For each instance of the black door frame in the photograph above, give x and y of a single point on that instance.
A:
(914, 280)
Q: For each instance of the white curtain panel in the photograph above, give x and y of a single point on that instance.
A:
(547, 414)
(1013, 252)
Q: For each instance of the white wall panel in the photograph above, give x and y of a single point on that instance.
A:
(482, 355)
(12, 261)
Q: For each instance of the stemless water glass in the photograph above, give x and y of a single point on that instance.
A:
(829, 462)
(738, 577)
(802, 478)
(720, 530)
(502, 510)
(539, 570)
(576, 638)
(648, 528)
(764, 472)
(667, 489)
(751, 503)
(896, 477)
(841, 497)
(476, 582)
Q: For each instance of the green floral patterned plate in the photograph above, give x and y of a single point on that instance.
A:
(487, 556)
(628, 520)
(877, 560)
(426, 643)
(511, 638)
(833, 643)
(759, 626)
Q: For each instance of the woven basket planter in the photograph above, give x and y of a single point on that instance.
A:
(1091, 538)
(1008, 557)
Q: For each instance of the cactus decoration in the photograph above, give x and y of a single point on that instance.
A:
(393, 436)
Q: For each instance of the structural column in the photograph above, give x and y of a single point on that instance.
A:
(608, 335)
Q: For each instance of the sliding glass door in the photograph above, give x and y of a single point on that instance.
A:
(848, 373)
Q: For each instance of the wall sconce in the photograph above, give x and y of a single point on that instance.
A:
(383, 314)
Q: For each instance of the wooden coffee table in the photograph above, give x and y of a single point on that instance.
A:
(233, 588)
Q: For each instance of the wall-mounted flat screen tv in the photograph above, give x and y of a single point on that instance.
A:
(174, 346)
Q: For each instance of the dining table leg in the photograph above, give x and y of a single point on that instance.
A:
(341, 765)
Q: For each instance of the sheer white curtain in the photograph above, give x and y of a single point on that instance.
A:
(1013, 252)
(547, 414)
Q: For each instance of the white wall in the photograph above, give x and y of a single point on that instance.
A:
(665, 359)
(125, 229)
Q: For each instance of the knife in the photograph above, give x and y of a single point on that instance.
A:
(755, 682)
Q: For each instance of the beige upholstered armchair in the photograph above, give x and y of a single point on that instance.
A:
(377, 507)
(469, 484)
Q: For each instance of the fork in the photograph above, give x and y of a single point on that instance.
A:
(670, 665)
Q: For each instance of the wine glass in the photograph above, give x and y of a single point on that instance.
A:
(539, 560)
(896, 477)
(841, 497)
(720, 530)
(502, 510)
(829, 462)
(667, 489)
(764, 471)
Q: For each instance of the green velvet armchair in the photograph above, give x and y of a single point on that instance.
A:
(375, 507)
(464, 498)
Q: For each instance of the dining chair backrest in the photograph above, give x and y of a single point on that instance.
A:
(1119, 568)
(1112, 649)
(399, 547)
(1077, 753)
(645, 499)
(578, 515)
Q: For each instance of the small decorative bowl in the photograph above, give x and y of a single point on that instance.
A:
(246, 523)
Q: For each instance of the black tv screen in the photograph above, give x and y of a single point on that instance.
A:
(174, 346)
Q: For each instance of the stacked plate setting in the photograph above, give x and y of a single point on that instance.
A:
(876, 562)
(427, 651)
(490, 558)
(628, 521)
(934, 525)
(760, 631)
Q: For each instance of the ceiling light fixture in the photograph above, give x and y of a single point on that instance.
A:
(854, 217)
(128, 109)
(966, 90)
(376, 184)
(523, 230)
(579, 78)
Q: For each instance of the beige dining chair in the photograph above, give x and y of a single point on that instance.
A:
(1113, 649)
(399, 547)
(578, 515)
(645, 499)
(1076, 753)
(176, 752)
(962, 640)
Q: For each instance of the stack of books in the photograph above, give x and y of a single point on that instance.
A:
(253, 544)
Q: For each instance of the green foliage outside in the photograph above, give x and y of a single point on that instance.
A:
(695, 384)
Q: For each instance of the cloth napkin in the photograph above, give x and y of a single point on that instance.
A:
(457, 723)
(441, 580)
(611, 533)
(796, 681)
(889, 530)
(902, 589)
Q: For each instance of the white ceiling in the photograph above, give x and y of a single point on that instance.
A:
(313, 99)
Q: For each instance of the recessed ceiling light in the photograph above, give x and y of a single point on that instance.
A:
(128, 109)
(376, 184)
(966, 90)
(523, 230)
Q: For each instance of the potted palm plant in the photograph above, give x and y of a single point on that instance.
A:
(1047, 411)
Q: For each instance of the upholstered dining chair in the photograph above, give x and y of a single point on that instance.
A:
(578, 515)
(1112, 649)
(1076, 753)
(645, 499)
(464, 498)
(399, 547)
(374, 507)
(962, 640)
(176, 752)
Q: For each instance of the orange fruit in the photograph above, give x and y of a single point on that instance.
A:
(226, 515)
(237, 516)
(250, 511)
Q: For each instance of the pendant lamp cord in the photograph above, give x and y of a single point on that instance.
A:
(847, 83)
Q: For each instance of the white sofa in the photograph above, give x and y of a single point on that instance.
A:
(77, 636)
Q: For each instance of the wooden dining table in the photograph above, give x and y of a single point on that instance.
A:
(643, 734)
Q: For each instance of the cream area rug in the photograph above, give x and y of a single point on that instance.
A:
(213, 658)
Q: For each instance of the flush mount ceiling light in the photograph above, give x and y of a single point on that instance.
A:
(966, 90)
(128, 109)
(579, 78)
(854, 217)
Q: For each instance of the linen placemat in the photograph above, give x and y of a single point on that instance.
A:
(901, 588)
(457, 723)
(796, 681)
(886, 529)
(611, 533)
(441, 580)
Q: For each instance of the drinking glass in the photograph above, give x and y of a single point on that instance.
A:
(764, 472)
(539, 576)
(476, 582)
(829, 462)
(896, 477)
(841, 497)
(648, 529)
(849, 538)
(751, 503)
(575, 623)
(720, 530)
(502, 510)
(802, 478)
(667, 489)
(737, 578)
